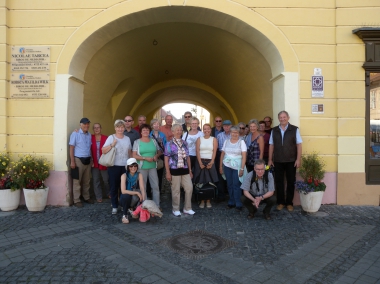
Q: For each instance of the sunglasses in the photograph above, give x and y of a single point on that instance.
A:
(218, 121)
(242, 127)
(133, 166)
(187, 116)
(126, 120)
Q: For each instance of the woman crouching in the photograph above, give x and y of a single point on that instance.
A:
(132, 184)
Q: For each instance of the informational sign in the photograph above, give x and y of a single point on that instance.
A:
(317, 86)
(317, 109)
(29, 85)
(30, 58)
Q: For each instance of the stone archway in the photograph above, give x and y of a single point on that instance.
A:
(232, 41)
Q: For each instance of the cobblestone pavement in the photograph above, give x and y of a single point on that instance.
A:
(89, 245)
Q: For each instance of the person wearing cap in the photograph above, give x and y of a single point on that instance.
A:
(132, 184)
(123, 147)
(80, 157)
(221, 137)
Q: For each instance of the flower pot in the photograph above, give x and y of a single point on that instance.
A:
(35, 199)
(9, 200)
(312, 201)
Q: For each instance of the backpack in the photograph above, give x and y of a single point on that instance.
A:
(253, 179)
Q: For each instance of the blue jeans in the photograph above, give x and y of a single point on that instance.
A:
(233, 185)
(114, 178)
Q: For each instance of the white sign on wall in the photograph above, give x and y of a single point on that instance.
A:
(30, 58)
(317, 109)
(29, 85)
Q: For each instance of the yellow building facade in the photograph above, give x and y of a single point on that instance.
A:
(239, 59)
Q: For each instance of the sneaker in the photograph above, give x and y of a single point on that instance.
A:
(190, 212)
(114, 211)
(125, 220)
(177, 213)
(202, 204)
(208, 204)
(290, 208)
(280, 207)
(78, 204)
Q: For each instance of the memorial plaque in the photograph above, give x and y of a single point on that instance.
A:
(317, 109)
(29, 85)
(317, 86)
(30, 58)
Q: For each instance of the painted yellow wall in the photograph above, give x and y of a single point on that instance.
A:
(318, 34)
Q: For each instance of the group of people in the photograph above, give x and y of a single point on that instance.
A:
(223, 156)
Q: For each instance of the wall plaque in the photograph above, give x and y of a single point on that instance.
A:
(317, 109)
(30, 58)
(29, 85)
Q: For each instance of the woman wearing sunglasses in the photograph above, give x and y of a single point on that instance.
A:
(132, 183)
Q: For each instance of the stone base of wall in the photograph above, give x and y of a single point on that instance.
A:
(352, 190)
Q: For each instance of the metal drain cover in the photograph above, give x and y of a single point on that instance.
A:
(196, 244)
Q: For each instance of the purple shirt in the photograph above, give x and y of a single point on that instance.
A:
(171, 151)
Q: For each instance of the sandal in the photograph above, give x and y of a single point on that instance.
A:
(100, 200)
(125, 220)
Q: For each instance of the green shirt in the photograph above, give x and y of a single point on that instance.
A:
(147, 149)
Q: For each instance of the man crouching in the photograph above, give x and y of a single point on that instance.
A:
(258, 187)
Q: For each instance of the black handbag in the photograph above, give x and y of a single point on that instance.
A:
(206, 192)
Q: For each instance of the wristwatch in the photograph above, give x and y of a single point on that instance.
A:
(262, 197)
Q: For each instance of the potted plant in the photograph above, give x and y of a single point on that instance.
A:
(9, 193)
(30, 173)
(311, 188)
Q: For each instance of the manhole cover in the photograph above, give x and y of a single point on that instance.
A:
(196, 244)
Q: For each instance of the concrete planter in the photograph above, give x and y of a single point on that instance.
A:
(312, 201)
(35, 199)
(9, 200)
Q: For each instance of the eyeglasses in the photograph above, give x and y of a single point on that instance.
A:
(218, 121)
(242, 127)
(187, 116)
(133, 166)
(128, 120)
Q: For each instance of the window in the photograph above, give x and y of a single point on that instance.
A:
(371, 38)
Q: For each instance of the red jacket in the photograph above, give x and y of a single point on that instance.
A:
(103, 139)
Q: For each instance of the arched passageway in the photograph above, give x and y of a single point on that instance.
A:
(136, 63)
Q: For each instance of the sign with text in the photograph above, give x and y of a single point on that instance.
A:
(317, 109)
(30, 58)
(29, 85)
(317, 88)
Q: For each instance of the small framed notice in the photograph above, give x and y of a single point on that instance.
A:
(317, 109)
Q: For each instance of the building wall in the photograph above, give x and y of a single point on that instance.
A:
(319, 33)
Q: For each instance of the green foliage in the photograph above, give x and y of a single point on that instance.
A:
(312, 167)
(312, 171)
(4, 164)
(31, 171)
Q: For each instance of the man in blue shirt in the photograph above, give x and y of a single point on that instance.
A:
(80, 161)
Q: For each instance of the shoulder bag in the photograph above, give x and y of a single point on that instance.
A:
(108, 159)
